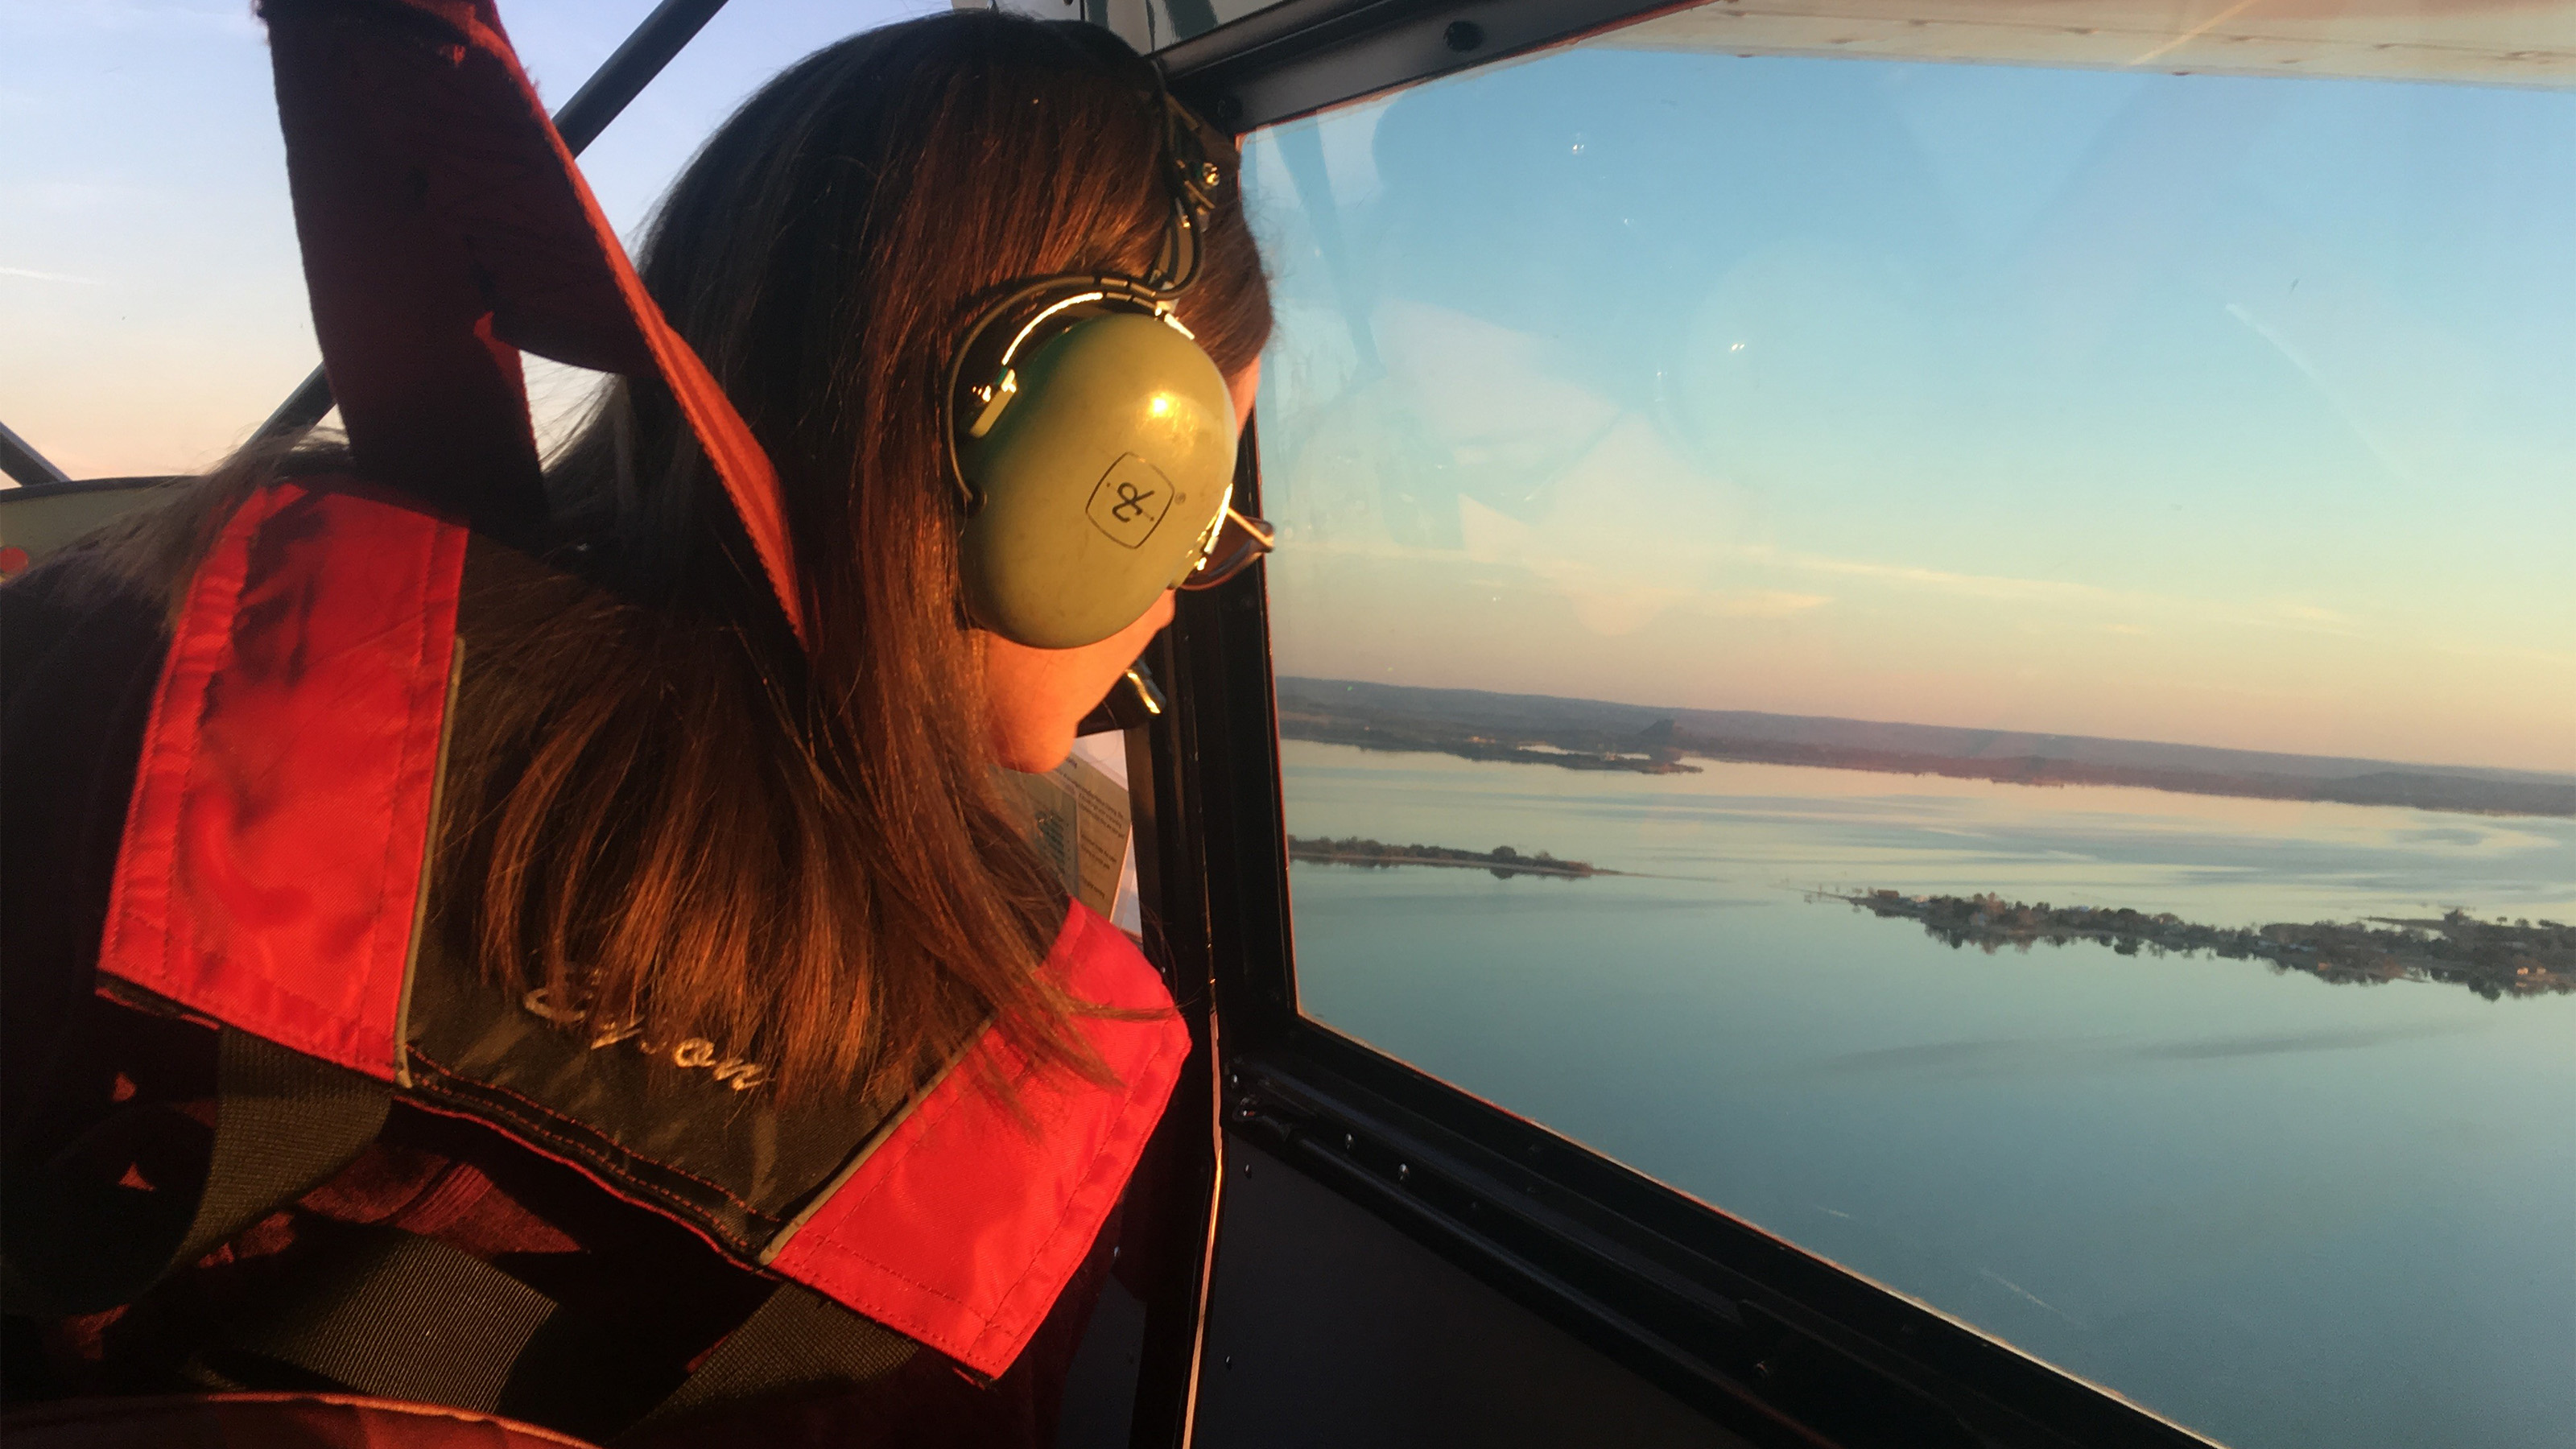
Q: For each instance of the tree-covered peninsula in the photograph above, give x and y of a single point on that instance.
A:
(2494, 958)
(1502, 860)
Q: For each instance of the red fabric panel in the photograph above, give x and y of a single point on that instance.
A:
(961, 1228)
(445, 227)
(273, 850)
(270, 1421)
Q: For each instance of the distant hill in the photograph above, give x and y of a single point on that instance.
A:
(1593, 734)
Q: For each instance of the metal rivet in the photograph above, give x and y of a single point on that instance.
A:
(1402, 1171)
(1349, 1142)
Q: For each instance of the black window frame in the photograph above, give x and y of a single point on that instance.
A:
(1770, 1341)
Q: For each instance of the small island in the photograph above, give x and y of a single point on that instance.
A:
(2492, 958)
(1503, 860)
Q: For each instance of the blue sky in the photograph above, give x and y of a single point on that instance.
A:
(2219, 409)
(151, 306)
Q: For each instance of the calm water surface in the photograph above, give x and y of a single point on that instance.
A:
(2284, 1212)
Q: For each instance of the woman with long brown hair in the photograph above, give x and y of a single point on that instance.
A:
(715, 894)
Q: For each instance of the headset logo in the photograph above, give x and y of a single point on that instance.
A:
(1130, 500)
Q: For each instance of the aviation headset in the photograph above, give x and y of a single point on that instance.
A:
(1091, 438)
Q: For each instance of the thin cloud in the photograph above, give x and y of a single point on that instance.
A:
(65, 198)
(2131, 604)
(2113, 611)
(1764, 604)
(222, 17)
(1984, 586)
(32, 275)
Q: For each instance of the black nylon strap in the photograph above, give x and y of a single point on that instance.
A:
(379, 1311)
(76, 1240)
(394, 1315)
(285, 1124)
(795, 1342)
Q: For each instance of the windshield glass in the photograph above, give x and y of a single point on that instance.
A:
(1970, 659)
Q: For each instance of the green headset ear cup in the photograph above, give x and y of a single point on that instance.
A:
(1096, 483)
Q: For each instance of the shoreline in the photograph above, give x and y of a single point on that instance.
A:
(1597, 735)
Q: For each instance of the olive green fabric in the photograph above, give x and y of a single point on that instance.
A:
(46, 516)
(1098, 481)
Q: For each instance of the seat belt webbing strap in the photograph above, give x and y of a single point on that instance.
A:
(80, 1241)
(396, 1315)
(393, 1315)
(796, 1341)
(285, 1123)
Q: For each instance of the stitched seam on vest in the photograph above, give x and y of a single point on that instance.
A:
(147, 793)
(403, 770)
(231, 655)
(834, 1239)
(1090, 1171)
(592, 1153)
(535, 1147)
(194, 755)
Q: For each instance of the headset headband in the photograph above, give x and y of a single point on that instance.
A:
(1198, 164)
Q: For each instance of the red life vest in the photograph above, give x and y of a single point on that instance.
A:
(271, 876)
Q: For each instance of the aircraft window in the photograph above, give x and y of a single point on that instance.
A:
(1148, 25)
(1970, 663)
(1168, 21)
(150, 286)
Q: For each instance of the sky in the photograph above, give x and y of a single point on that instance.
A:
(2226, 411)
(152, 306)
(2219, 410)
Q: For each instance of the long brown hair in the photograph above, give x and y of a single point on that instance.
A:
(657, 806)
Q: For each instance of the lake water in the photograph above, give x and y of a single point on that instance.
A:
(2281, 1211)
